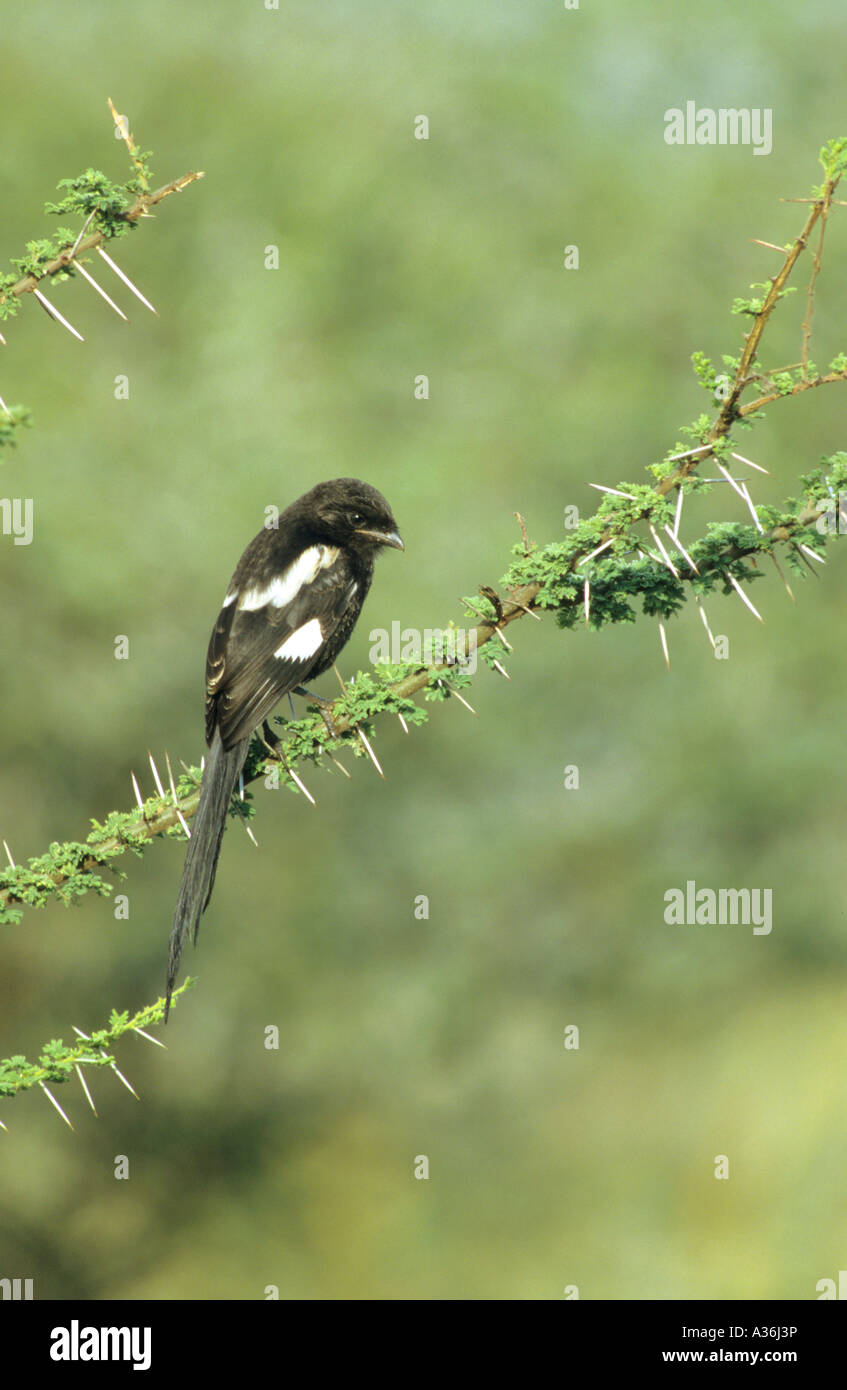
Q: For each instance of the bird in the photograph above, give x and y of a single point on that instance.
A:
(290, 608)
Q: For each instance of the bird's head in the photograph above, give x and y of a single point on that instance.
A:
(351, 512)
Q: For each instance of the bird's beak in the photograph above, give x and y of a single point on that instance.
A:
(391, 538)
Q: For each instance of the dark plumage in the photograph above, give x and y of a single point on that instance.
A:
(290, 607)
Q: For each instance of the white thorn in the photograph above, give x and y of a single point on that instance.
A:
(705, 621)
(501, 669)
(54, 314)
(586, 558)
(748, 499)
(741, 594)
(122, 1078)
(83, 229)
(812, 554)
(84, 1086)
(171, 778)
(250, 834)
(156, 778)
(665, 556)
(126, 280)
(616, 491)
(137, 792)
(79, 1033)
(149, 1037)
(523, 608)
(184, 823)
(403, 723)
(757, 466)
(463, 701)
(2, 1126)
(304, 789)
(54, 1101)
(9, 855)
(681, 548)
(729, 478)
(678, 513)
(664, 638)
(371, 752)
(689, 453)
(5, 407)
(99, 288)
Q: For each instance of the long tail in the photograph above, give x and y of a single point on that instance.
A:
(201, 860)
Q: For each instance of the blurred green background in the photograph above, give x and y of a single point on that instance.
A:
(444, 1037)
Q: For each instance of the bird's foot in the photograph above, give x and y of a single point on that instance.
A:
(269, 739)
(324, 708)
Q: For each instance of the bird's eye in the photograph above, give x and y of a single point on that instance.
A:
(357, 518)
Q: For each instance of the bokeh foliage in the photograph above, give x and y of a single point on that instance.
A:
(399, 1036)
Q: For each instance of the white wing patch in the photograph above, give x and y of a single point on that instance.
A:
(230, 598)
(301, 644)
(287, 585)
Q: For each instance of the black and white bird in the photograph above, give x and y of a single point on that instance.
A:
(291, 605)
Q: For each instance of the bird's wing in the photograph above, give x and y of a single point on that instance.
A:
(268, 638)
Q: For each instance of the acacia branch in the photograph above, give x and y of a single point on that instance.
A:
(796, 390)
(99, 202)
(65, 258)
(310, 739)
(612, 557)
(73, 869)
(833, 158)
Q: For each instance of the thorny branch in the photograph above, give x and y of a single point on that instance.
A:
(166, 813)
(610, 530)
(68, 257)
